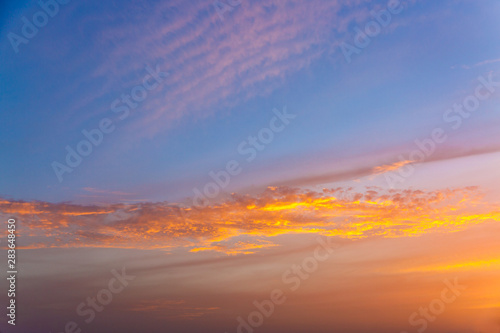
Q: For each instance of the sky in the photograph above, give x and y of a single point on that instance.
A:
(253, 166)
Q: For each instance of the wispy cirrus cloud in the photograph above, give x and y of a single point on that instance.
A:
(212, 64)
(481, 63)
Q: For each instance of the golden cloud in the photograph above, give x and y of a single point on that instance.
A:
(245, 224)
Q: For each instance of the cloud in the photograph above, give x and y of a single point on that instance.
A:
(390, 167)
(362, 168)
(490, 263)
(170, 309)
(481, 63)
(107, 192)
(245, 224)
(213, 64)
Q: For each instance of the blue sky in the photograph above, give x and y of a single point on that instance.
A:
(222, 87)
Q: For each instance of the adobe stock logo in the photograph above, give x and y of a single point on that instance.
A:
(221, 7)
(455, 116)
(372, 29)
(103, 297)
(40, 19)
(95, 136)
(251, 147)
(437, 306)
(294, 276)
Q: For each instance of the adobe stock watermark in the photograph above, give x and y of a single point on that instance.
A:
(453, 116)
(436, 307)
(104, 297)
(94, 137)
(30, 28)
(221, 7)
(249, 148)
(292, 277)
(372, 29)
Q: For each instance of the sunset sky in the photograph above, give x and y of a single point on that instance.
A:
(343, 155)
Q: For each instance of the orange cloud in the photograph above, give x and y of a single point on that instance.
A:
(390, 167)
(245, 224)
